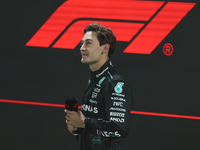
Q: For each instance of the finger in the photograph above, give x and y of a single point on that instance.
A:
(68, 122)
(68, 125)
(67, 111)
(79, 112)
(75, 128)
(72, 128)
(67, 117)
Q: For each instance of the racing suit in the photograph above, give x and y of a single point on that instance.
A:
(106, 104)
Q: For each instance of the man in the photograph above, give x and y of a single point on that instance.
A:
(106, 104)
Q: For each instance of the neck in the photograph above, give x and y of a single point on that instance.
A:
(97, 65)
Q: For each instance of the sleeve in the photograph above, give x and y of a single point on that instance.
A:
(118, 101)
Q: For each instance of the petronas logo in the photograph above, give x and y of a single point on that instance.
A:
(118, 87)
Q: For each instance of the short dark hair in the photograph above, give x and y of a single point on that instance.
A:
(104, 35)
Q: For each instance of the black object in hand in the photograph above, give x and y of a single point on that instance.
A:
(71, 103)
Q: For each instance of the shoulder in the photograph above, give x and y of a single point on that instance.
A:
(114, 79)
(112, 75)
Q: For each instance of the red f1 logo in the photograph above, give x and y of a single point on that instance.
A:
(142, 23)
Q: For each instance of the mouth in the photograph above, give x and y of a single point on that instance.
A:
(84, 55)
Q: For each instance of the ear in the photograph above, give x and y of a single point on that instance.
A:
(106, 48)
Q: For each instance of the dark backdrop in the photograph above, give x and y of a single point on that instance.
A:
(161, 84)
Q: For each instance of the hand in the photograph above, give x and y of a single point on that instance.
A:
(75, 119)
(72, 128)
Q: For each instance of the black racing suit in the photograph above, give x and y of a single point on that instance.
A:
(106, 105)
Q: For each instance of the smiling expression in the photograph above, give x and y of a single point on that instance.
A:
(91, 50)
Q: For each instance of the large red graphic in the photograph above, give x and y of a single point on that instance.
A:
(144, 24)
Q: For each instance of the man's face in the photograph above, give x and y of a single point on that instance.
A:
(91, 50)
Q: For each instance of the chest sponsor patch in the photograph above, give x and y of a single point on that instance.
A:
(90, 108)
(116, 114)
(118, 87)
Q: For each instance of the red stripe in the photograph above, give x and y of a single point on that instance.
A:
(31, 103)
(71, 10)
(75, 105)
(67, 106)
(165, 115)
(124, 32)
(159, 27)
(132, 112)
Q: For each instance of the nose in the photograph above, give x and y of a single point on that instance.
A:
(83, 47)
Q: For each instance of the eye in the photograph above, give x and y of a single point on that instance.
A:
(88, 43)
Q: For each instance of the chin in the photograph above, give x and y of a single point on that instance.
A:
(84, 61)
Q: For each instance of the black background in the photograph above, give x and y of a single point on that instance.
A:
(162, 84)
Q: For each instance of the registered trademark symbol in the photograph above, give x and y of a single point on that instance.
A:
(168, 49)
